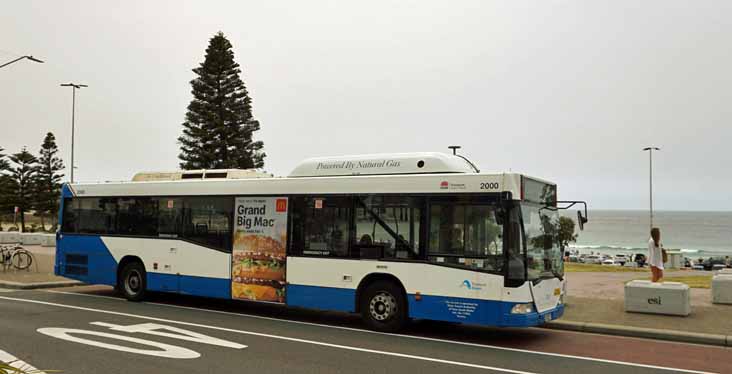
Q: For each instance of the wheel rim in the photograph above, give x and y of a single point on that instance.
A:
(382, 306)
(21, 260)
(133, 283)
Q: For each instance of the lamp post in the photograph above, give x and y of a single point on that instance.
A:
(73, 110)
(20, 58)
(650, 180)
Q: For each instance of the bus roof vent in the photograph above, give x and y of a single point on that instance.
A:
(200, 174)
(382, 164)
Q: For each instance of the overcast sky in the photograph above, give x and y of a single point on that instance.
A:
(565, 90)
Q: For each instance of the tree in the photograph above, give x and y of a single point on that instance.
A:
(217, 132)
(4, 184)
(565, 234)
(47, 180)
(22, 175)
(3, 162)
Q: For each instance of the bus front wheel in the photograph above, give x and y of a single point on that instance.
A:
(133, 281)
(383, 307)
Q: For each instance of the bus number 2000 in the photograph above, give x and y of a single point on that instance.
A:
(489, 186)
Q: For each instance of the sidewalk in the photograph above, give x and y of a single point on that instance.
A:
(39, 275)
(595, 303)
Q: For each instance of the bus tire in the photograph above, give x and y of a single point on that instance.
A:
(383, 306)
(133, 281)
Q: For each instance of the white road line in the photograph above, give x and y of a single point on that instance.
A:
(285, 338)
(18, 364)
(404, 336)
(86, 295)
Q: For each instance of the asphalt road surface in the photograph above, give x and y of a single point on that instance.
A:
(90, 330)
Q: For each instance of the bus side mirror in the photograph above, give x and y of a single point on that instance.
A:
(581, 220)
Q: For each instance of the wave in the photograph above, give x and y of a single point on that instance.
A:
(611, 247)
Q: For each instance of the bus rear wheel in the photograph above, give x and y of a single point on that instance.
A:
(383, 307)
(132, 282)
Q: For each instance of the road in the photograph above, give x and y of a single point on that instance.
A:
(90, 330)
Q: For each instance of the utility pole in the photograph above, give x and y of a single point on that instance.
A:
(73, 111)
(650, 181)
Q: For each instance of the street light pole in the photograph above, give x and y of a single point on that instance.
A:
(20, 58)
(73, 112)
(650, 181)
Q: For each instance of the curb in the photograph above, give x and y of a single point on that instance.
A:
(640, 332)
(37, 285)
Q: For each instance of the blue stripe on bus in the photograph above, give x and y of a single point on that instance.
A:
(100, 267)
(476, 311)
(440, 308)
(66, 191)
(93, 262)
(324, 298)
(189, 285)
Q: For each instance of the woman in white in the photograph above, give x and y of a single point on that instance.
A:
(655, 254)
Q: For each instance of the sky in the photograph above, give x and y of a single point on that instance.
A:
(569, 91)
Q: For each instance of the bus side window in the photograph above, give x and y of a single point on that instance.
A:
(326, 226)
(466, 235)
(386, 226)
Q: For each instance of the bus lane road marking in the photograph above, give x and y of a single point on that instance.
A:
(165, 350)
(271, 336)
(425, 338)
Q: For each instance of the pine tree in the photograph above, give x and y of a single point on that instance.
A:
(217, 133)
(3, 162)
(47, 180)
(21, 182)
(4, 187)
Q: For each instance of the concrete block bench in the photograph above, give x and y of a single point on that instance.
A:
(722, 289)
(671, 298)
(30, 238)
(48, 240)
(9, 237)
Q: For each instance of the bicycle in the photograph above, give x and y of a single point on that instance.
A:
(15, 256)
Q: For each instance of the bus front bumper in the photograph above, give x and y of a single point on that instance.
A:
(532, 319)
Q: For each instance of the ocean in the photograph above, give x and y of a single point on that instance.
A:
(697, 234)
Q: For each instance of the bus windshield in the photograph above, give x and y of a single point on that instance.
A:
(544, 254)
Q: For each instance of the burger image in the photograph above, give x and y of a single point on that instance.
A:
(258, 289)
(258, 268)
(258, 265)
(244, 242)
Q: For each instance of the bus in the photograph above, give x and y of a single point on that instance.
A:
(392, 237)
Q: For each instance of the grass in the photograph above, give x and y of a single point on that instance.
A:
(6, 368)
(693, 281)
(574, 267)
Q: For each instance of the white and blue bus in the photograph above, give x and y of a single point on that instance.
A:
(393, 237)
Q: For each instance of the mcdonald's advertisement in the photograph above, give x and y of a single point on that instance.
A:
(260, 240)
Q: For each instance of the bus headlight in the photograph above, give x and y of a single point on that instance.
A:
(522, 308)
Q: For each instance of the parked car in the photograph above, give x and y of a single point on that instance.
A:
(593, 259)
(711, 261)
(621, 259)
(640, 259)
(608, 262)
